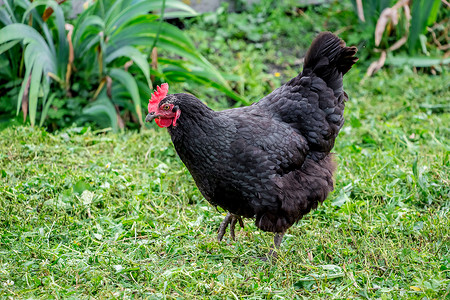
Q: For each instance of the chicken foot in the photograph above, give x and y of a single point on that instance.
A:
(230, 219)
(277, 238)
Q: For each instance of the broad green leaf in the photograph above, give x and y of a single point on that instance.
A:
(45, 109)
(433, 12)
(136, 56)
(179, 14)
(144, 91)
(7, 14)
(195, 57)
(102, 106)
(181, 76)
(84, 24)
(142, 19)
(33, 53)
(31, 39)
(416, 61)
(35, 84)
(115, 21)
(26, 33)
(139, 8)
(180, 6)
(115, 9)
(420, 14)
(60, 22)
(8, 45)
(150, 29)
(128, 81)
(87, 46)
(5, 18)
(145, 36)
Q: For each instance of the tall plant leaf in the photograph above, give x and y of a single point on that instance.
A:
(38, 59)
(35, 84)
(170, 38)
(179, 74)
(102, 106)
(8, 45)
(84, 22)
(25, 33)
(135, 55)
(128, 81)
(432, 17)
(421, 13)
(46, 109)
(115, 21)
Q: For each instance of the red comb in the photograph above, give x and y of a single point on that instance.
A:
(157, 96)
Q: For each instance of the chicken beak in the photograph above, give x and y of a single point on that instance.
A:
(150, 117)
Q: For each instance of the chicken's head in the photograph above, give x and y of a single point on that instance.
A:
(163, 112)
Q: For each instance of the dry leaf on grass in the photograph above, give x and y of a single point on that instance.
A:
(360, 9)
(390, 14)
(376, 65)
(69, 27)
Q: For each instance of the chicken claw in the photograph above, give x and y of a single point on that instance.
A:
(232, 220)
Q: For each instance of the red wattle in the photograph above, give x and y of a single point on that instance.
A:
(163, 122)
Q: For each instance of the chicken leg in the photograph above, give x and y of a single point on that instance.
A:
(277, 238)
(230, 219)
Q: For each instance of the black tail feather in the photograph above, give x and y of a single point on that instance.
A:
(330, 59)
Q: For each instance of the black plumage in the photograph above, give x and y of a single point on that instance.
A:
(270, 161)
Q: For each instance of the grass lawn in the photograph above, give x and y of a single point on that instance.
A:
(88, 213)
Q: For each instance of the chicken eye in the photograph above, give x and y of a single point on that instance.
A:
(166, 107)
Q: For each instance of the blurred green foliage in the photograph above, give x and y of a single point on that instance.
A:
(57, 73)
(110, 77)
(419, 32)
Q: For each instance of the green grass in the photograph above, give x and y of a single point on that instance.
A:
(94, 214)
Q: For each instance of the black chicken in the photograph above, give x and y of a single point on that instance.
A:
(270, 161)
